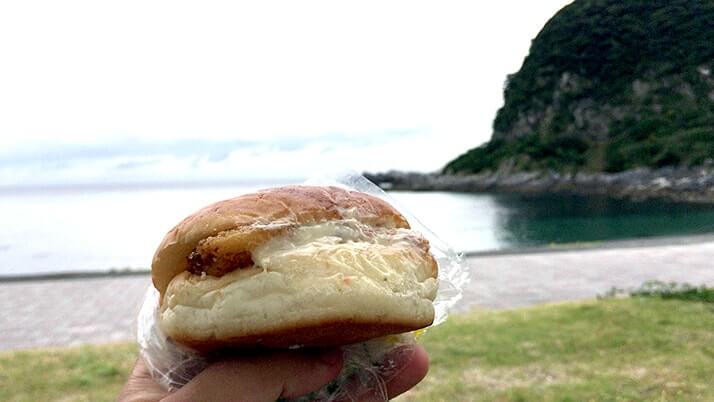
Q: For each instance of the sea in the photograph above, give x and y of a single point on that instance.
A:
(102, 228)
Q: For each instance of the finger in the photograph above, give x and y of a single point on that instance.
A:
(411, 365)
(413, 371)
(140, 386)
(262, 378)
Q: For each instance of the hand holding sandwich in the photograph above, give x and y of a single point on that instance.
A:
(258, 283)
(267, 377)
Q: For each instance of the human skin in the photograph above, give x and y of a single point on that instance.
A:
(268, 377)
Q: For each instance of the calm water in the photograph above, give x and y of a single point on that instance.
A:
(89, 229)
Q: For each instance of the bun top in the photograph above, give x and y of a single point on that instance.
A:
(258, 217)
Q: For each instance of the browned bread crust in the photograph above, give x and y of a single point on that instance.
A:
(314, 334)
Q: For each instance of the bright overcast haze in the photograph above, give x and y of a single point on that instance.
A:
(171, 91)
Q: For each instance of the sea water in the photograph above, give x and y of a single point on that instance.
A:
(102, 228)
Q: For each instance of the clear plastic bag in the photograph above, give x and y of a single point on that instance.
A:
(368, 366)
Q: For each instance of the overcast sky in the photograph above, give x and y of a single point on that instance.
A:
(147, 91)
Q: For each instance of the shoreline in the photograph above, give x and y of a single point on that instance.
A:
(677, 184)
(643, 242)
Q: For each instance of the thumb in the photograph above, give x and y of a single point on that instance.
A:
(262, 378)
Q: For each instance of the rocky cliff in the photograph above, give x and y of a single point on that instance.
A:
(608, 85)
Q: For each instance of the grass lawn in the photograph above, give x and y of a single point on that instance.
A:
(87, 373)
(609, 350)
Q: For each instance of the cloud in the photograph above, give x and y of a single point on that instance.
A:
(250, 89)
(59, 152)
(206, 159)
(134, 164)
(214, 149)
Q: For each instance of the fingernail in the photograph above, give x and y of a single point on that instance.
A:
(330, 356)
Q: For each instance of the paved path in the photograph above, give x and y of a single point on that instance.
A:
(69, 311)
(516, 280)
(94, 310)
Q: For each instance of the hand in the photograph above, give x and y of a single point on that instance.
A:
(282, 374)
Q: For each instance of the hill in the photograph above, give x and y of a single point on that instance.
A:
(608, 86)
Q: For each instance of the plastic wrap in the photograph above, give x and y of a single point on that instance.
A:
(367, 365)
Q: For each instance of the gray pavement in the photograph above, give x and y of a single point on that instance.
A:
(41, 313)
(505, 281)
(60, 312)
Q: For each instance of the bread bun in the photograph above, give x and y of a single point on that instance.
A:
(297, 265)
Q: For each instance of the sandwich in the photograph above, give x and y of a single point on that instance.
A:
(293, 266)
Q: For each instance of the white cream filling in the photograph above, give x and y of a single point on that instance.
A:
(348, 250)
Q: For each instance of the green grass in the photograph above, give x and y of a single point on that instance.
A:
(612, 350)
(640, 348)
(87, 373)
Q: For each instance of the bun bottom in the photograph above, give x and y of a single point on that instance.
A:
(323, 334)
(254, 308)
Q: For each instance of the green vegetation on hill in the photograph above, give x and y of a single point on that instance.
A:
(609, 85)
(659, 141)
(529, 153)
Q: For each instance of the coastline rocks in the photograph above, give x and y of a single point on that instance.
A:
(669, 183)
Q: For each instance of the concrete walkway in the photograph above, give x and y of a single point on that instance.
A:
(517, 280)
(42, 313)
